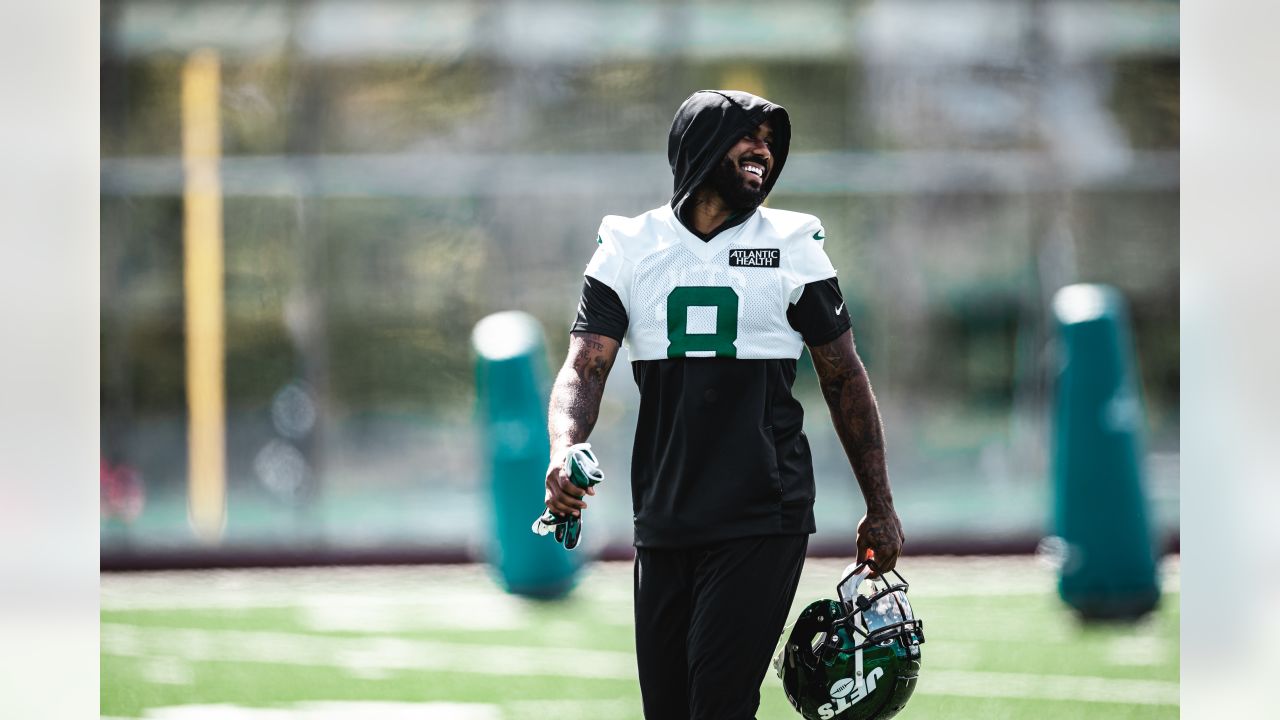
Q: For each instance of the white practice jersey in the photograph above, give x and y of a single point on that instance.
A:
(726, 297)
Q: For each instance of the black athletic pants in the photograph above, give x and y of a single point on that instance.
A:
(707, 621)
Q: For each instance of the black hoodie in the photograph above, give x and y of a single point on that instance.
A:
(707, 125)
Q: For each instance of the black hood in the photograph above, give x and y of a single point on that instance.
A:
(708, 123)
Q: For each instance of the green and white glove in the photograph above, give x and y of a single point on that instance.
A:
(584, 471)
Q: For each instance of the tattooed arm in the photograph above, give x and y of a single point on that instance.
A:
(575, 405)
(857, 419)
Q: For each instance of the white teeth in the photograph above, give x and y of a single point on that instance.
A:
(754, 170)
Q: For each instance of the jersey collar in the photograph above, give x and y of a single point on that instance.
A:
(707, 249)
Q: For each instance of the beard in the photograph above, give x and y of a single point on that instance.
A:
(726, 180)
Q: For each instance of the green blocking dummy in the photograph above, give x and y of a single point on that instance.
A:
(511, 387)
(1108, 566)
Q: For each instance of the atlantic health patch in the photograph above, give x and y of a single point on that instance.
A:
(758, 257)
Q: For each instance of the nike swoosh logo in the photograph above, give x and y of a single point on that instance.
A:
(818, 236)
(839, 308)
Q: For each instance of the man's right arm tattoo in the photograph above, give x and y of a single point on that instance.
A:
(579, 386)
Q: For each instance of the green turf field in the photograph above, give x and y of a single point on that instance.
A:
(444, 643)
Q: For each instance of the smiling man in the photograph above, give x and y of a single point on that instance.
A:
(715, 298)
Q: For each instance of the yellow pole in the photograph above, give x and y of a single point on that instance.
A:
(746, 79)
(203, 294)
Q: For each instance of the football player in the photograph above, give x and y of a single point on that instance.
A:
(715, 297)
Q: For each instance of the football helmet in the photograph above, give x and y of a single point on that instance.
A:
(856, 658)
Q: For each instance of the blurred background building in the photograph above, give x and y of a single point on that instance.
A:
(394, 171)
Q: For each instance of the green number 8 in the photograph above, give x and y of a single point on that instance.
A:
(721, 342)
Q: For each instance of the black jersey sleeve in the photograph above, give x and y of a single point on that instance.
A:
(820, 315)
(600, 310)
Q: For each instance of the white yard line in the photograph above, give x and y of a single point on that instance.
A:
(571, 709)
(946, 577)
(361, 655)
(346, 710)
(1048, 687)
(373, 655)
(381, 588)
(342, 710)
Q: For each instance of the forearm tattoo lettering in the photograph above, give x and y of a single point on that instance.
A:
(575, 397)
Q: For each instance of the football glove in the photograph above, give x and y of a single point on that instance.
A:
(584, 471)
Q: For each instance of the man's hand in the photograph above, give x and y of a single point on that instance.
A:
(580, 466)
(881, 532)
(562, 496)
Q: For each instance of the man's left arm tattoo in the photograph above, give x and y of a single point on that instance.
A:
(856, 416)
